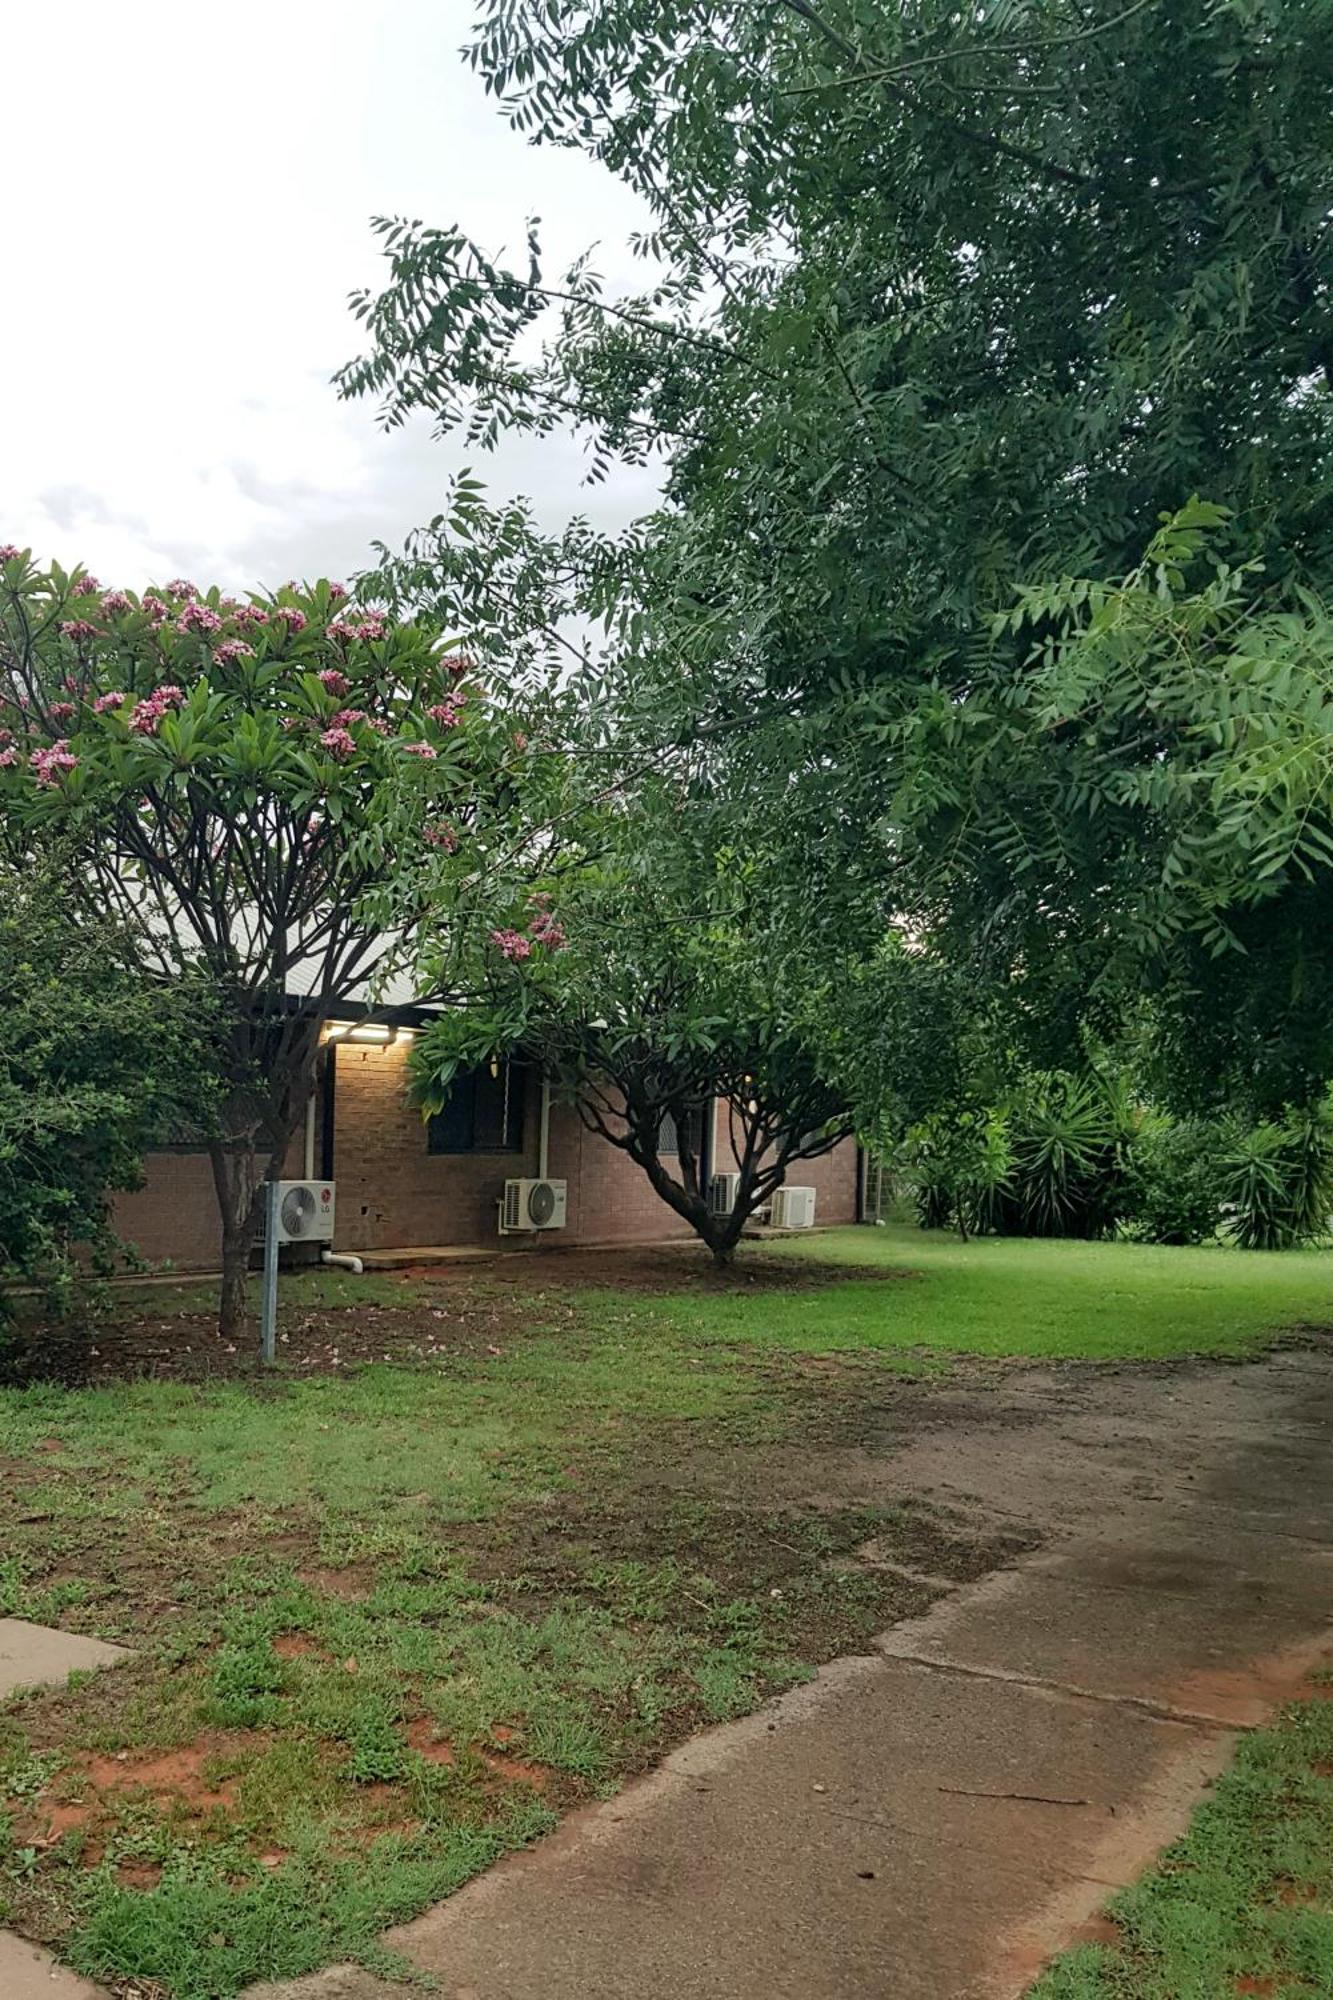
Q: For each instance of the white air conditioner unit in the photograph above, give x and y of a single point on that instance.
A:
(723, 1190)
(305, 1211)
(794, 1208)
(532, 1205)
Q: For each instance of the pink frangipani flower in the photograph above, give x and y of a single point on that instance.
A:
(49, 765)
(198, 617)
(512, 944)
(334, 681)
(340, 744)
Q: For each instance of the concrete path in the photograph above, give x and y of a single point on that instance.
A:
(933, 1821)
(29, 1973)
(42, 1656)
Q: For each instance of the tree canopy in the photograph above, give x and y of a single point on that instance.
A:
(269, 792)
(97, 1064)
(942, 310)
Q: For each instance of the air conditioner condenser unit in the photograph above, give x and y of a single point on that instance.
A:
(723, 1191)
(305, 1211)
(533, 1204)
(794, 1208)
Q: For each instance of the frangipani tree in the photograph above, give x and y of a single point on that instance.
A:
(656, 976)
(269, 791)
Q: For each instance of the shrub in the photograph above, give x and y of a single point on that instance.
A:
(1068, 1135)
(1173, 1182)
(97, 1064)
(958, 1165)
(1277, 1181)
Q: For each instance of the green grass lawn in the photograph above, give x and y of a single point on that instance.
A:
(1244, 1904)
(1007, 1296)
(400, 1603)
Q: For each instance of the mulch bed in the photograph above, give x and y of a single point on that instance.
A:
(428, 1314)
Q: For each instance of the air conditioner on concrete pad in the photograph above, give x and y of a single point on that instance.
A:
(794, 1208)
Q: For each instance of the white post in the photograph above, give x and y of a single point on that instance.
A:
(268, 1307)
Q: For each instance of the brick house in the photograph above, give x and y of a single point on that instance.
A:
(407, 1183)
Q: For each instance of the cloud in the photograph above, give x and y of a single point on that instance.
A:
(187, 245)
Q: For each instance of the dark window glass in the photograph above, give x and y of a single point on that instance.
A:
(481, 1114)
(668, 1137)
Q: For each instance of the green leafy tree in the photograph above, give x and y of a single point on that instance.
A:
(266, 794)
(938, 303)
(1146, 804)
(97, 1064)
(645, 986)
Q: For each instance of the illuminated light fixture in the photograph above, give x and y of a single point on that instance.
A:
(373, 1034)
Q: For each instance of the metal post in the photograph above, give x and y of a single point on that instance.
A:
(268, 1307)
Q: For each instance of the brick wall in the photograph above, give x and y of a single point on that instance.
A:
(393, 1194)
(610, 1200)
(833, 1175)
(174, 1215)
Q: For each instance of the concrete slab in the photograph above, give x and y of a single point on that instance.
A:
(426, 1254)
(800, 1854)
(1200, 1641)
(29, 1973)
(42, 1656)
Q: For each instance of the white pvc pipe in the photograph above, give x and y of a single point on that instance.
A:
(309, 1168)
(544, 1135)
(344, 1259)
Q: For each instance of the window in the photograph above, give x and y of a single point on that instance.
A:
(668, 1138)
(483, 1113)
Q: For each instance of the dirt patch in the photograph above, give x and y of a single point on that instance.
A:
(174, 1777)
(1098, 1930)
(299, 1646)
(422, 1738)
(1299, 1895)
(517, 1771)
(61, 1820)
(665, 1268)
(353, 1586)
(141, 1875)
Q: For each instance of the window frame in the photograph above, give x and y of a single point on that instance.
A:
(512, 1081)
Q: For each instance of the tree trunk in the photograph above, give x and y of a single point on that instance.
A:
(236, 1177)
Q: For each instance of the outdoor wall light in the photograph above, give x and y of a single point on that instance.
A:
(371, 1034)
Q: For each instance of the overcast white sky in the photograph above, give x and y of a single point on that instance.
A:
(187, 198)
